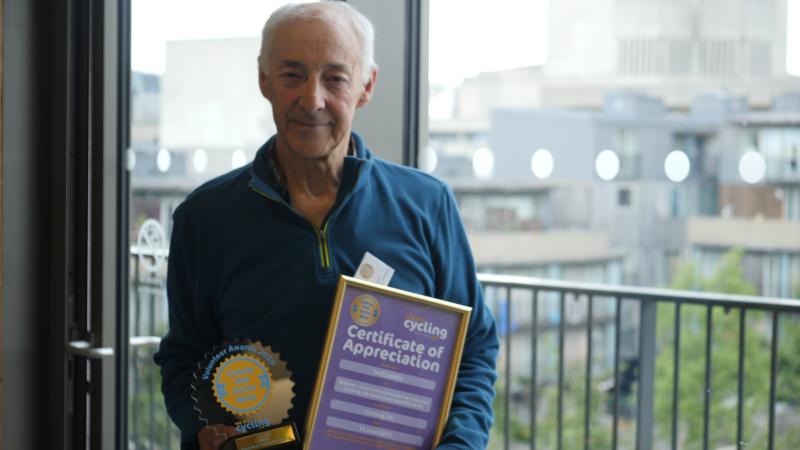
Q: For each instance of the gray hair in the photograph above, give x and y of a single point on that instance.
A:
(363, 28)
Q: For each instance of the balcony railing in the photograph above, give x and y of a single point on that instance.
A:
(504, 291)
(567, 346)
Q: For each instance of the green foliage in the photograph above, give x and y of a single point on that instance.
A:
(724, 377)
(727, 278)
(149, 427)
(546, 421)
(788, 389)
(687, 278)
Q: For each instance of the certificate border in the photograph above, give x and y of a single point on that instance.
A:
(397, 294)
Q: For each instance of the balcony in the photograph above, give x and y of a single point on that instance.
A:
(623, 368)
(613, 367)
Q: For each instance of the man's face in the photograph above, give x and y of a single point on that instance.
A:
(315, 86)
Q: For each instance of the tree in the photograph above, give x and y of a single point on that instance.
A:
(727, 278)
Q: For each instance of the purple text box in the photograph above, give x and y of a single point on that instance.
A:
(382, 394)
(376, 432)
(386, 374)
(373, 413)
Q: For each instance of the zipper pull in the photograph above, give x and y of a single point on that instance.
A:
(323, 248)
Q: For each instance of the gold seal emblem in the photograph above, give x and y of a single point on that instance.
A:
(365, 310)
(245, 384)
(242, 384)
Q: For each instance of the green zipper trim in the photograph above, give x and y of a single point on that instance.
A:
(324, 252)
(323, 246)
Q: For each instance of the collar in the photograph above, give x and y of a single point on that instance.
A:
(265, 177)
(274, 168)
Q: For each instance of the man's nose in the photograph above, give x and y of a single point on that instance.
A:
(312, 98)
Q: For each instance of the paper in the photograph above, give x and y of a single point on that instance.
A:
(374, 270)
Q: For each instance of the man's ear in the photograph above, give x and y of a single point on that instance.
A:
(369, 88)
(263, 84)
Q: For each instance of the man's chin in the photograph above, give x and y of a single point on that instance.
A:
(310, 149)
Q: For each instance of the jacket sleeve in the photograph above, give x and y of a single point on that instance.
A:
(192, 330)
(471, 413)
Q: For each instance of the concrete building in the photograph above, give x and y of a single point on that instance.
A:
(145, 109)
(642, 216)
(180, 138)
(775, 134)
(638, 221)
(771, 248)
(231, 115)
(640, 213)
(672, 50)
(735, 39)
(762, 219)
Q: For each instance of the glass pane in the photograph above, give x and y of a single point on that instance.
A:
(196, 112)
(644, 143)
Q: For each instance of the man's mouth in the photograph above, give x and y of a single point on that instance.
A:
(309, 124)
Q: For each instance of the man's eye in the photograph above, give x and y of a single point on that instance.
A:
(337, 80)
(290, 75)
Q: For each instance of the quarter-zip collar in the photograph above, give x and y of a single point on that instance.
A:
(355, 168)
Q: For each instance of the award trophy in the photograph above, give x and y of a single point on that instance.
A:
(245, 385)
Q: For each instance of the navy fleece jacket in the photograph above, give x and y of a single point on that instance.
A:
(244, 265)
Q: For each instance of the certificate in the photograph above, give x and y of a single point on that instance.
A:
(388, 369)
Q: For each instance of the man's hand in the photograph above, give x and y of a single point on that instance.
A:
(212, 436)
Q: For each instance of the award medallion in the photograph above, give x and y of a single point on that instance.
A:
(245, 385)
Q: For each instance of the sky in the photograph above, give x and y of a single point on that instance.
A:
(459, 49)
(154, 22)
(793, 38)
(456, 52)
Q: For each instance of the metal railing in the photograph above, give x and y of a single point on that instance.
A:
(648, 300)
(149, 427)
(514, 297)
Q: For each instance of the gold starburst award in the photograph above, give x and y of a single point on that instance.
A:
(245, 385)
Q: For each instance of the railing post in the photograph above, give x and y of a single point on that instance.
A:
(647, 365)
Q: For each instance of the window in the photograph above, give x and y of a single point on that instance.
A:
(652, 142)
(196, 112)
(626, 145)
(624, 197)
(604, 120)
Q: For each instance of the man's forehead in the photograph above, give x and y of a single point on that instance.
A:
(331, 27)
(297, 41)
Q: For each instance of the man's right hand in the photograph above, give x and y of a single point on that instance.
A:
(212, 436)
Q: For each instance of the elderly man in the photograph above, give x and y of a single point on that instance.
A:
(256, 253)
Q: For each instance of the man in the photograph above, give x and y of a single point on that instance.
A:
(256, 253)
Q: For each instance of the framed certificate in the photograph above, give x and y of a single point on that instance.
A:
(388, 369)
